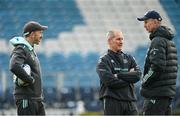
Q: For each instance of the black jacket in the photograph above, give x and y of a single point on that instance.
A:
(120, 87)
(161, 65)
(23, 53)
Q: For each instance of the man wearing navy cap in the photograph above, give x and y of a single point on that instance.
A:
(160, 69)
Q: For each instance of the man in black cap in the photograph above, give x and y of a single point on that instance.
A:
(25, 66)
(160, 69)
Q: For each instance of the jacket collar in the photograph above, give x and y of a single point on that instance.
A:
(21, 40)
(112, 52)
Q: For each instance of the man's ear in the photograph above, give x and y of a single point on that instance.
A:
(31, 34)
(109, 40)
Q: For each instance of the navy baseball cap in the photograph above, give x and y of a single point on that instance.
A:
(32, 26)
(152, 14)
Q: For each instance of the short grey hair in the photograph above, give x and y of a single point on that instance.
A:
(110, 34)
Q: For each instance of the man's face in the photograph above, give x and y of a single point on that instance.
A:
(116, 42)
(37, 36)
(150, 25)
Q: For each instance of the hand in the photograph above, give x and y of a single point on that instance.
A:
(131, 70)
(19, 82)
(144, 79)
(33, 80)
(115, 75)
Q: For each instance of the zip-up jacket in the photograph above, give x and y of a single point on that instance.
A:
(161, 65)
(24, 53)
(120, 87)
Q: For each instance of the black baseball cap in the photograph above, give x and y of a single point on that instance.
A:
(32, 26)
(152, 14)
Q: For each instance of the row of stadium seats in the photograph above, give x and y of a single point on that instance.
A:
(68, 97)
(63, 98)
(80, 29)
(72, 69)
(56, 14)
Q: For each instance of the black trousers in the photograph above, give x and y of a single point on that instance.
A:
(160, 106)
(116, 107)
(30, 107)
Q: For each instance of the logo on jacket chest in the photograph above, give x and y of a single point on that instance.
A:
(121, 69)
(125, 61)
(121, 66)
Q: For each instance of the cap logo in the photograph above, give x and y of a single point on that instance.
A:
(159, 19)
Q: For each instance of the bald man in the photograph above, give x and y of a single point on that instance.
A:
(118, 72)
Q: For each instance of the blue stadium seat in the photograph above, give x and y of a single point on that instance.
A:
(86, 93)
(50, 96)
(4, 62)
(9, 98)
(75, 61)
(91, 60)
(58, 62)
(67, 94)
(93, 106)
(49, 79)
(1, 96)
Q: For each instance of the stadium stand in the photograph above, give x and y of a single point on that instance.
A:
(74, 41)
(57, 14)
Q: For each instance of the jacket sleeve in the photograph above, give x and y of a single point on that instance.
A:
(157, 55)
(132, 76)
(107, 78)
(17, 60)
(157, 59)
